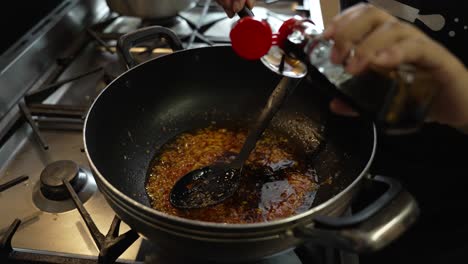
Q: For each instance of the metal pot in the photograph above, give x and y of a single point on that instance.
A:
(156, 100)
(150, 9)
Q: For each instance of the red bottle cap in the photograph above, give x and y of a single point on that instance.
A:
(251, 38)
(286, 29)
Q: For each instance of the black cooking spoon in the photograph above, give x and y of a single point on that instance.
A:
(212, 185)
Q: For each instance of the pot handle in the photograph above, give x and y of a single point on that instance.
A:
(129, 40)
(370, 229)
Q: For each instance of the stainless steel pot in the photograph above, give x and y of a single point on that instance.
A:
(154, 101)
(150, 9)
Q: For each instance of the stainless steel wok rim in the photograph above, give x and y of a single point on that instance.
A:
(143, 210)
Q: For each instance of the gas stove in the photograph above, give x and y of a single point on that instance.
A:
(52, 210)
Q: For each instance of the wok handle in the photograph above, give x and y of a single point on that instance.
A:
(370, 229)
(129, 40)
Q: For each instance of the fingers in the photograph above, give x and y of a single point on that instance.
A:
(416, 51)
(229, 12)
(228, 7)
(237, 5)
(250, 3)
(349, 28)
(226, 4)
(371, 34)
(408, 50)
(231, 7)
(386, 35)
(378, 39)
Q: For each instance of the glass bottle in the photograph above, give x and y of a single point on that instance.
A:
(397, 100)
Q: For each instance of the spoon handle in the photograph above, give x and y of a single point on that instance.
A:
(276, 99)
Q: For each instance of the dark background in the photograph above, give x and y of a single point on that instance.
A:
(433, 166)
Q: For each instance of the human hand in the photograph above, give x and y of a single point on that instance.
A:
(381, 40)
(231, 7)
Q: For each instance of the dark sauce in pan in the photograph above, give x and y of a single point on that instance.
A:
(276, 181)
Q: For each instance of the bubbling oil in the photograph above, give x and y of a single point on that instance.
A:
(276, 181)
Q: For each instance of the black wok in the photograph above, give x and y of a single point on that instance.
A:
(156, 100)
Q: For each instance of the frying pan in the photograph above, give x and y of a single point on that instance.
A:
(154, 101)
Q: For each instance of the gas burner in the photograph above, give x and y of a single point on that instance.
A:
(50, 193)
(52, 177)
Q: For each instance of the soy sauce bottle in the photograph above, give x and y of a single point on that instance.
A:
(397, 100)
